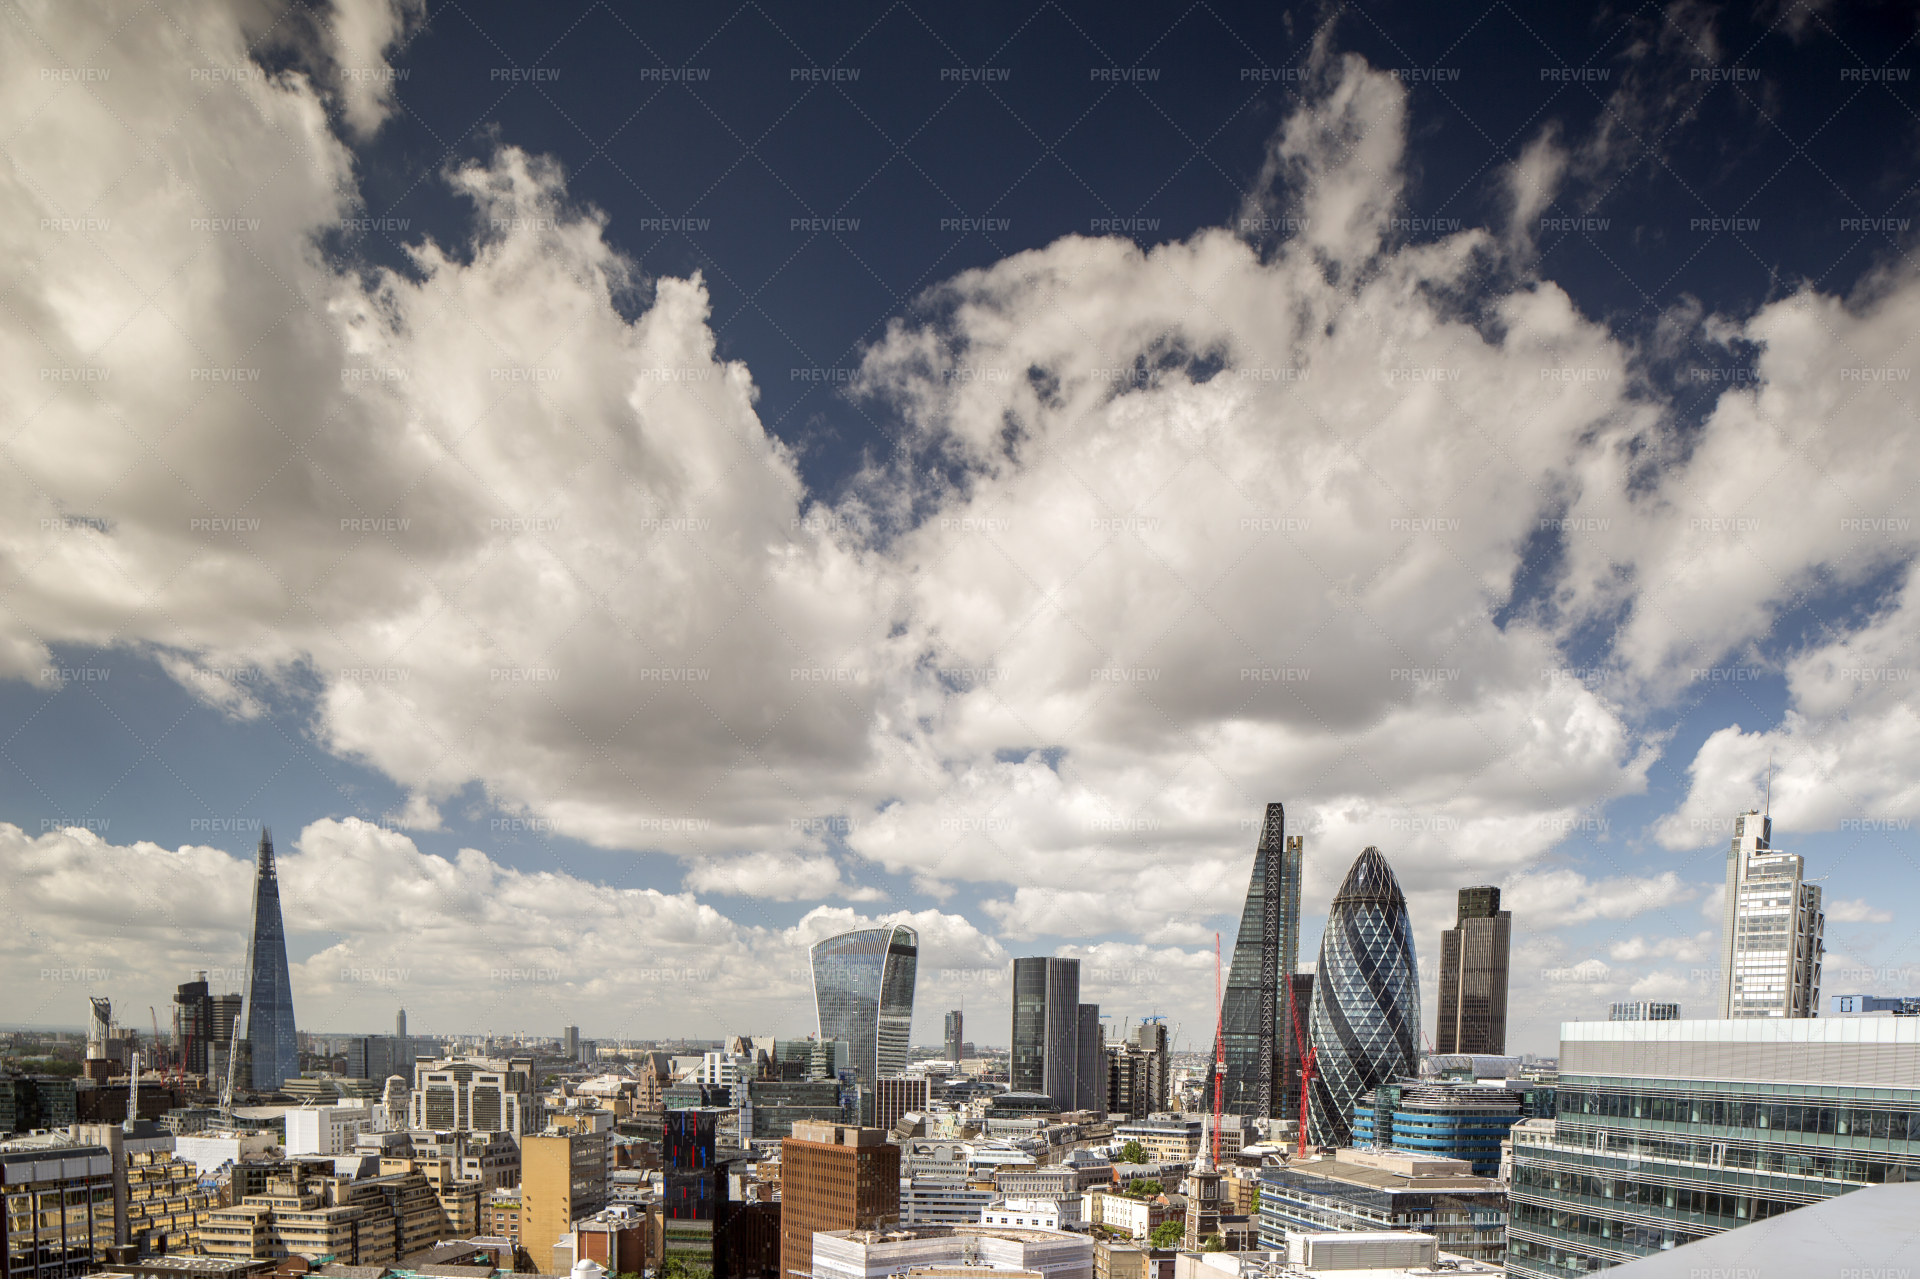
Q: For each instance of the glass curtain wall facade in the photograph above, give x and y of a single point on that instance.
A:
(1665, 1133)
(863, 992)
(271, 1042)
(1366, 998)
(1255, 1025)
(1051, 1053)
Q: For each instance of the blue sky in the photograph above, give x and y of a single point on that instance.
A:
(967, 401)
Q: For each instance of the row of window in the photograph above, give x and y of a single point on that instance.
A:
(1841, 1121)
(1626, 1236)
(1802, 1161)
(1737, 1209)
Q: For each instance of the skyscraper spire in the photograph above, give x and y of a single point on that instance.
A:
(270, 1035)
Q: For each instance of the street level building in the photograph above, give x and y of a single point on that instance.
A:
(929, 1252)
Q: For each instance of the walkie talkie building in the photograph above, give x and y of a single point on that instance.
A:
(863, 991)
(1262, 1067)
(271, 1042)
(1366, 998)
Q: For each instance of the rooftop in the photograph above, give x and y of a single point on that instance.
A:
(1863, 1233)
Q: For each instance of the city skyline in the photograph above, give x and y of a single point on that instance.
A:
(631, 498)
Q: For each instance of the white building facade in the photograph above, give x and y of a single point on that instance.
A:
(1773, 930)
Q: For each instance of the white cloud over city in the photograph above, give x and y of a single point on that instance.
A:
(1170, 532)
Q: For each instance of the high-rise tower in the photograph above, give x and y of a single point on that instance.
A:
(956, 1036)
(1474, 957)
(271, 1043)
(863, 991)
(1366, 998)
(1056, 1038)
(1772, 928)
(1262, 1067)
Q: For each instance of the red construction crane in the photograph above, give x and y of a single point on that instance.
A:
(1306, 1062)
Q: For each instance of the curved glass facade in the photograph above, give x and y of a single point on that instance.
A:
(1366, 998)
(863, 989)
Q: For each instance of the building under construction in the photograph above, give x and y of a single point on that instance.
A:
(1256, 1020)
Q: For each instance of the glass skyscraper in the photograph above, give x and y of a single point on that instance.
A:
(1057, 1047)
(1366, 998)
(1255, 1024)
(863, 990)
(271, 1043)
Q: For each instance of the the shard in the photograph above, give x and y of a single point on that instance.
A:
(1262, 1077)
(1366, 998)
(271, 1044)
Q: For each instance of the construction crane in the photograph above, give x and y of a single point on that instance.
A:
(1305, 1052)
(233, 1060)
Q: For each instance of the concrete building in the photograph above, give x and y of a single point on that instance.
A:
(563, 1178)
(1170, 1137)
(1669, 1132)
(1474, 959)
(897, 1095)
(929, 1250)
(1359, 1190)
(1136, 1218)
(956, 1039)
(1048, 1214)
(614, 1238)
(1643, 1010)
(481, 1094)
(833, 1178)
(1772, 928)
(325, 1130)
(59, 1217)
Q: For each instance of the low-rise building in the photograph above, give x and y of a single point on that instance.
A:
(879, 1254)
(1358, 1190)
(1048, 1214)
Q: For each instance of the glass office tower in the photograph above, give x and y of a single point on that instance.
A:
(1056, 1039)
(863, 990)
(271, 1042)
(1255, 1024)
(1473, 976)
(1366, 998)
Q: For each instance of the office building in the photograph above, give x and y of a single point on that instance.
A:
(59, 1217)
(1643, 1010)
(1364, 1191)
(956, 1036)
(479, 1094)
(692, 1181)
(949, 1252)
(897, 1095)
(1866, 1005)
(1366, 998)
(1474, 959)
(563, 1177)
(272, 1044)
(1672, 1131)
(833, 1178)
(1772, 928)
(400, 1024)
(325, 1130)
(193, 1022)
(863, 993)
(1255, 1026)
(775, 1105)
(570, 1042)
(29, 1102)
(379, 1057)
(1865, 1234)
(1056, 1039)
(1467, 1121)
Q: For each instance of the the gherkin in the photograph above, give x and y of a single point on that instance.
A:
(1366, 998)
(271, 1041)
